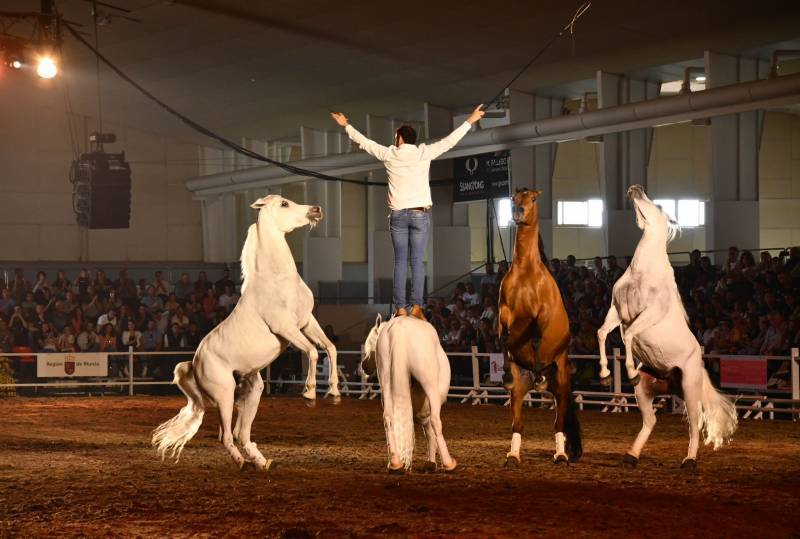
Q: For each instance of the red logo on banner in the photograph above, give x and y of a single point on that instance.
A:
(69, 364)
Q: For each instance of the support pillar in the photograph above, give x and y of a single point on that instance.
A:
(322, 254)
(623, 160)
(532, 167)
(732, 214)
(449, 242)
(380, 255)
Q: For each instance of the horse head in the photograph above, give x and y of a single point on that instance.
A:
(650, 217)
(285, 214)
(525, 209)
(368, 363)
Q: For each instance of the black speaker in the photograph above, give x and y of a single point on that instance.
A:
(101, 192)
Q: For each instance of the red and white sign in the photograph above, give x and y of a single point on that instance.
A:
(746, 372)
(496, 363)
(71, 365)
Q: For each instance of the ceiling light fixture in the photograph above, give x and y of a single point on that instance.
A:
(700, 78)
(47, 68)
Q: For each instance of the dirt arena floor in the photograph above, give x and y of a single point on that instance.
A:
(83, 467)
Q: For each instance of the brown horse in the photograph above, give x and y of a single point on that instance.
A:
(531, 308)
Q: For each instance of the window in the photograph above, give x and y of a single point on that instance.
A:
(580, 212)
(504, 215)
(689, 212)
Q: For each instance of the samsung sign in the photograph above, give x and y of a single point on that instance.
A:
(480, 177)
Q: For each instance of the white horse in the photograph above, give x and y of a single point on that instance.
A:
(648, 308)
(273, 312)
(401, 349)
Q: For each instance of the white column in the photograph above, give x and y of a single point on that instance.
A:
(532, 167)
(322, 249)
(732, 214)
(380, 255)
(623, 160)
(449, 243)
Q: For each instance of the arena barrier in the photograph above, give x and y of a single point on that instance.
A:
(752, 399)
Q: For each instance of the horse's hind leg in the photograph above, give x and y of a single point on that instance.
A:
(220, 386)
(644, 400)
(435, 403)
(252, 388)
(692, 384)
(317, 336)
(422, 415)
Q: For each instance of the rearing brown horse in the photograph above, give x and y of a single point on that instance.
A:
(531, 308)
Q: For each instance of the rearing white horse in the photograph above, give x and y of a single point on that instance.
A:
(273, 312)
(414, 374)
(647, 306)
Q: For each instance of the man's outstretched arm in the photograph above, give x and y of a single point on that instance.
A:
(370, 146)
(432, 151)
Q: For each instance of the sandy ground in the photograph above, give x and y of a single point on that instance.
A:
(83, 467)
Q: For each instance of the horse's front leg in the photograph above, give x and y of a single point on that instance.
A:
(299, 341)
(652, 314)
(316, 335)
(519, 388)
(611, 322)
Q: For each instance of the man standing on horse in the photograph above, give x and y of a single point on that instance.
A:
(408, 166)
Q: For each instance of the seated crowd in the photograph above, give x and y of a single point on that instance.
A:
(96, 314)
(739, 307)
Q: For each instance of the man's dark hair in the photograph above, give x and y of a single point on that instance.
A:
(408, 134)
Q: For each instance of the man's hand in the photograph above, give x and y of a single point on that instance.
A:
(476, 115)
(339, 118)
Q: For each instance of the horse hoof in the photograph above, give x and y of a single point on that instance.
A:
(629, 461)
(451, 468)
(428, 467)
(310, 402)
(336, 400)
(689, 464)
(635, 380)
(511, 462)
(606, 382)
(540, 385)
(397, 471)
(560, 459)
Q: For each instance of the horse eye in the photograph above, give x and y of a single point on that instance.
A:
(284, 204)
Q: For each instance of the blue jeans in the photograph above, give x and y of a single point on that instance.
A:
(409, 230)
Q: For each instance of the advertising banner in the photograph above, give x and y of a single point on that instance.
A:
(743, 372)
(496, 367)
(481, 177)
(60, 365)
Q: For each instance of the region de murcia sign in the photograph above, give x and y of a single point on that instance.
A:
(71, 365)
(480, 177)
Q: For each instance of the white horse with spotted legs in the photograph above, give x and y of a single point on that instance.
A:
(414, 374)
(648, 308)
(274, 311)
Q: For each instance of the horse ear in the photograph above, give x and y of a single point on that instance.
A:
(378, 320)
(257, 204)
(536, 194)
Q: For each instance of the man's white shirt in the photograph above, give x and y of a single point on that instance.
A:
(408, 166)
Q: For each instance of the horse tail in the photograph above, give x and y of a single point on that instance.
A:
(402, 407)
(572, 430)
(718, 418)
(171, 436)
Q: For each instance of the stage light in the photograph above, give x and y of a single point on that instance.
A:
(14, 62)
(46, 68)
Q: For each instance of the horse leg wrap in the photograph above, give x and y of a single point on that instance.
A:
(561, 455)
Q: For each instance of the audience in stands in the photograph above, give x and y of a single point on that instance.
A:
(739, 307)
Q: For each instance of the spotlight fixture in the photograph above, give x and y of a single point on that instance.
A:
(46, 68)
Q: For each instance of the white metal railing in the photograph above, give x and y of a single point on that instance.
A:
(753, 404)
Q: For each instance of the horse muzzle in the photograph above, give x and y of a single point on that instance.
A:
(315, 214)
(636, 191)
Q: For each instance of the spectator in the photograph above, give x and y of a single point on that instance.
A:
(108, 319)
(202, 284)
(83, 283)
(174, 339)
(224, 282)
(183, 288)
(66, 340)
(131, 337)
(88, 340)
(470, 296)
(7, 303)
(161, 285)
(228, 299)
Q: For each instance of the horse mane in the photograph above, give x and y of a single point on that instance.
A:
(248, 258)
(673, 230)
